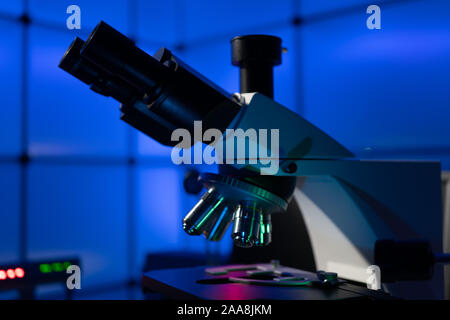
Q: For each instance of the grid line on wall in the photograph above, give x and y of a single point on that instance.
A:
(131, 172)
(24, 158)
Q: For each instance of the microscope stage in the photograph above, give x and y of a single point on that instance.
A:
(201, 283)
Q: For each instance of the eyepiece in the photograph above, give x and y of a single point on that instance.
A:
(159, 92)
(100, 80)
(114, 52)
(73, 63)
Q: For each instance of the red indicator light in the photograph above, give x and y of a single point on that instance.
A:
(20, 273)
(10, 273)
(2, 274)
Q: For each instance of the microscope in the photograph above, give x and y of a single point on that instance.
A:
(271, 159)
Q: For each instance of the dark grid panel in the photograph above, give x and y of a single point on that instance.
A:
(24, 158)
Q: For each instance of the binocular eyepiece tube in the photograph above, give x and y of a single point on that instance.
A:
(158, 93)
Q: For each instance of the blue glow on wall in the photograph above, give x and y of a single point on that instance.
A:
(79, 211)
(159, 22)
(54, 12)
(10, 82)
(158, 221)
(9, 212)
(206, 20)
(383, 90)
(65, 117)
(11, 8)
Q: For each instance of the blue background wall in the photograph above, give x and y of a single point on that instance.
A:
(76, 180)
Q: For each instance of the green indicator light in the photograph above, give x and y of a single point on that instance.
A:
(66, 265)
(57, 267)
(45, 268)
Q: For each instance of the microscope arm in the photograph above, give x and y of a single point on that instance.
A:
(349, 204)
(298, 138)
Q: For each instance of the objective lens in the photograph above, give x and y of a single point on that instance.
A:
(205, 214)
(265, 230)
(247, 221)
(220, 226)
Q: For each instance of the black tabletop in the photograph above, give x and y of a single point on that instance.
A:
(195, 283)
